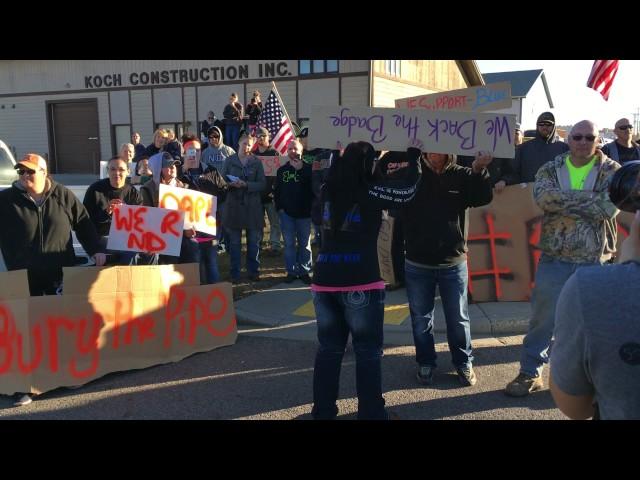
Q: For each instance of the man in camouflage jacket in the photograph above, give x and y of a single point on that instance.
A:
(578, 229)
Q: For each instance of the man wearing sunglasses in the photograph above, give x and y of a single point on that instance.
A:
(38, 215)
(578, 229)
(531, 155)
(624, 149)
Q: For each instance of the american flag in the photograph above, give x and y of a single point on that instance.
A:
(602, 75)
(274, 119)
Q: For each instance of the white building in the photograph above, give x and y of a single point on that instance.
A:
(77, 112)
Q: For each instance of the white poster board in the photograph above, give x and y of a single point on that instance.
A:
(136, 228)
(495, 96)
(199, 208)
(460, 133)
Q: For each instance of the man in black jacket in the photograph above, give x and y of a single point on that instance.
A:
(39, 215)
(293, 195)
(103, 197)
(623, 149)
(435, 229)
(531, 155)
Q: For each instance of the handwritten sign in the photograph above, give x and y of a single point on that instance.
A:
(272, 164)
(495, 96)
(460, 133)
(199, 208)
(136, 228)
(108, 319)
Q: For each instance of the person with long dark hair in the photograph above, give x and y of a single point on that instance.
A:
(348, 293)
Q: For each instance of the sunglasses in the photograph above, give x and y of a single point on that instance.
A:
(625, 127)
(588, 138)
(214, 136)
(22, 171)
(545, 124)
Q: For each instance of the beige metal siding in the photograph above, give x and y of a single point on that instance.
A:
(436, 75)
(25, 126)
(386, 91)
(216, 97)
(167, 104)
(119, 102)
(141, 115)
(317, 92)
(350, 66)
(190, 110)
(355, 91)
(287, 91)
(26, 76)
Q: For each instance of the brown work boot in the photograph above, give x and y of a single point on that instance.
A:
(523, 385)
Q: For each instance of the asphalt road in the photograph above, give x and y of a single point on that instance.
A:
(268, 377)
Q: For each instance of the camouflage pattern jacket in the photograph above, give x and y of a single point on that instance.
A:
(578, 226)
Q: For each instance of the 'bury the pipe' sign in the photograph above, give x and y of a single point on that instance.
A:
(460, 133)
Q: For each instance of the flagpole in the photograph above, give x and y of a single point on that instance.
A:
(275, 89)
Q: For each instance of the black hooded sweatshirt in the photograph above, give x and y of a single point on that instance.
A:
(531, 155)
(436, 222)
(349, 256)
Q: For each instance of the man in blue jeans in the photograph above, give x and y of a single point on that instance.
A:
(435, 229)
(293, 195)
(578, 229)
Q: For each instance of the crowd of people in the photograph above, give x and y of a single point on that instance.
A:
(429, 194)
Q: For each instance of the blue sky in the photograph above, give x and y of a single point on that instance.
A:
(572, 99)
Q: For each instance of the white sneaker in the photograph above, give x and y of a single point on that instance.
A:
(23, 400)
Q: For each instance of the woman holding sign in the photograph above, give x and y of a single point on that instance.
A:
(348, 293)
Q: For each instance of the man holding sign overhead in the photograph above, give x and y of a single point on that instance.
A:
(436, 229)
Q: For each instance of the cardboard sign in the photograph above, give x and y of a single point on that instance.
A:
(199, 208)
(272, 164)
(460, 133)
(108, 319)
(503, 239)
(137, 228)
(495, 96)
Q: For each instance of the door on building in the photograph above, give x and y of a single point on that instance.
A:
(73, 130)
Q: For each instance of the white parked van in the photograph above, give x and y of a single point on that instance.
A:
(7, 164)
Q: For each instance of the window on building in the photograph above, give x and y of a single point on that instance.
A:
(392, 67)
(305, 67)
(309, 67)
(121, 134)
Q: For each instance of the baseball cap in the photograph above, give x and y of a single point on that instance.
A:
(32, 161)
(168, 160)
(518, 127)
(261, 131)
